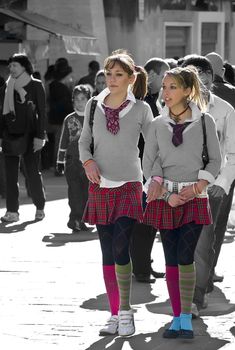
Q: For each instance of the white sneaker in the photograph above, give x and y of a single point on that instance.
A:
(126, 324)
(10, 217)
(111, 326)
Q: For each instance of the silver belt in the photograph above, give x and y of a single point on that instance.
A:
(176, 187)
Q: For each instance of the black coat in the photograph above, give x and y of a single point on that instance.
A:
(35, 102)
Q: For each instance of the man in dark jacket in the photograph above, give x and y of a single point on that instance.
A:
(144, 235)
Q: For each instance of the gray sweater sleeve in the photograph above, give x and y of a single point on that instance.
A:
(151, 159)
(86, 136)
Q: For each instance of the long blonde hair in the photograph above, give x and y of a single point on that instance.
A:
(123, 58)
(187, 77)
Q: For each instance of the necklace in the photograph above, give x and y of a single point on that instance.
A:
(176, 116)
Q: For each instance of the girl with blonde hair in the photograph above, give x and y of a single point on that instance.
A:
(177, 186)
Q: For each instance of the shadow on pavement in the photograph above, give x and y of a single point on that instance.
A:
(139, 295)
(217, 305)
(10, 228)
(150, 341)
(60, 239)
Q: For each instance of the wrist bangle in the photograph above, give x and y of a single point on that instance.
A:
(166, 196)
(87, 162)
(197, 189)
(158, 179)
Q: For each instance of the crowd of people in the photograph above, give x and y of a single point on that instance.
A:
(174, 120)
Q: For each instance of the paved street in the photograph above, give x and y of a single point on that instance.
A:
(52, 294)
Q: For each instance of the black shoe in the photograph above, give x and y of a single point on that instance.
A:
(84, 227)
(186, 334)
(74, 225)
(217, 278)
(170, 334)
(144, 278)
(157, 274)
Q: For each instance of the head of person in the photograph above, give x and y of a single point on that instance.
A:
(217, 63)
(81, 94)
(100, 82)
(18, 64)
(155, 68)
(180, 86)
(173, 63)
(63, 71)
(229, 74)
(93, 67)
(203, 66)
(121, 74)
(49, 75)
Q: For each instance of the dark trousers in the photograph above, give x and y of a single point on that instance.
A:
(221, 225)
(33, 176)
(77, 187)
(141, 246)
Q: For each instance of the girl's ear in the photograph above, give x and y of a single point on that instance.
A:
(187, 91)
(132, 79)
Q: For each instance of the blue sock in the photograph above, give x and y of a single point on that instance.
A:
(175, 325)
(186, 322)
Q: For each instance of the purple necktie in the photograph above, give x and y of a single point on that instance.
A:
(112, 117)
(178, 129)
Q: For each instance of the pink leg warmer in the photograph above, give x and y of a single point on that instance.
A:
(111, 285)
(172, 280)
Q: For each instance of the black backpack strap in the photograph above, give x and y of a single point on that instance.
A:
(204, 129)
(92, 112)
(205, 155)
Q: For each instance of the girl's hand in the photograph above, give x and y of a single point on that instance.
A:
(92, 172)
(176, 200)
(154, 191)
(187, 193)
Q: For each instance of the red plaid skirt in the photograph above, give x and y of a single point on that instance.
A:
(161, 215)
(106, 205)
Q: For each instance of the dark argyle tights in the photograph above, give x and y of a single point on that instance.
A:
(180, 243)
(115, 241)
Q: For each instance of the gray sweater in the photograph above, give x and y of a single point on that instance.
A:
(117, 156)
(182, 163)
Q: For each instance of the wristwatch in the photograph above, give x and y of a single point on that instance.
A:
(166, 196)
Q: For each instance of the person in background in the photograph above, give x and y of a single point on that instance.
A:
(2, 162)
(224, 116)
(60, 101)
(173, 63)
(226, 91)
(100, 82)
(177, 180)
(24, 99)
(93, 68)
(114, 171)
(143, 235)
(47, 156)
(68, 160)
(229, 75)
(220, 87)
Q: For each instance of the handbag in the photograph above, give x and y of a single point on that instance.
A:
(205, 155)
(14, 145)
(91, 122)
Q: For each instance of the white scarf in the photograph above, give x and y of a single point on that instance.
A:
(11, 85)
